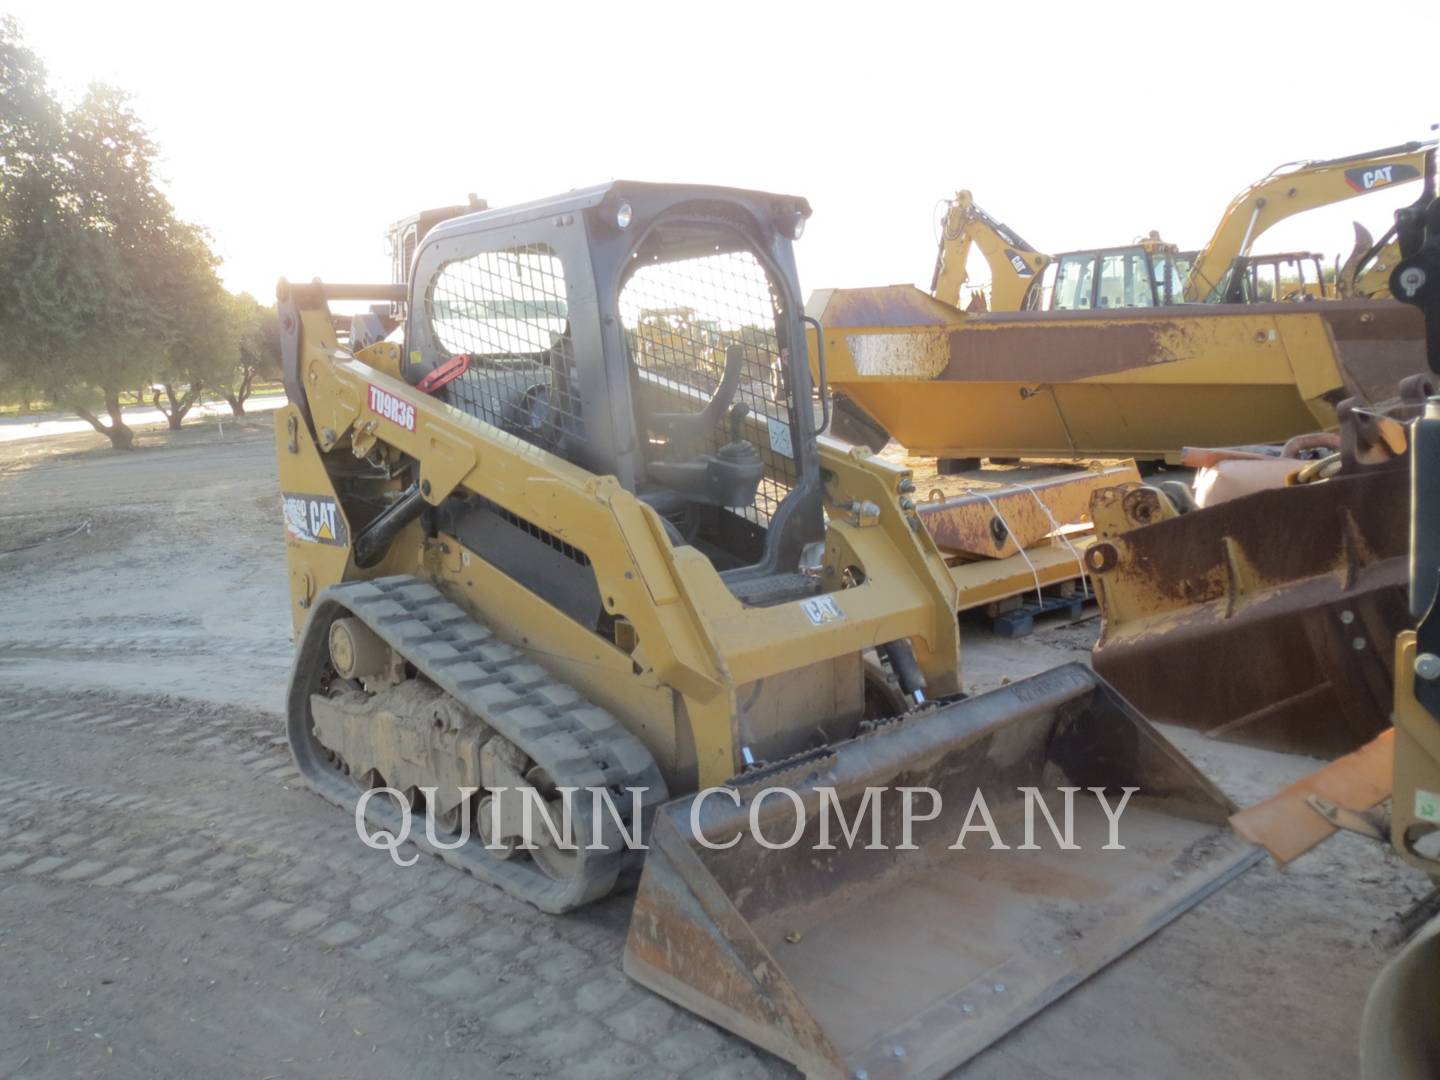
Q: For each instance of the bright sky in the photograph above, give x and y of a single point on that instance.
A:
(296, 132)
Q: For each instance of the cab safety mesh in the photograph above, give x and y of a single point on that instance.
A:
(681, 317)
(507, 309)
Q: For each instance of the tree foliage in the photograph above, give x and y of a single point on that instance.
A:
(30, 129)
(257, 356)
(102, 287)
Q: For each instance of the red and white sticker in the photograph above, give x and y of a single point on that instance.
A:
(396, 410)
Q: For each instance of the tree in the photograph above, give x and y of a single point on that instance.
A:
(88, 323)
(257, 330)
(119, 205)
(31, 128)
(102, 287)
(198, 343)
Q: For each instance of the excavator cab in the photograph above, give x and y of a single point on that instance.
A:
(1142, 275)
(1284, 277)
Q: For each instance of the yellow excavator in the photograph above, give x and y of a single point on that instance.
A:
(598, 610)
(1218, 274)
(1152, 273)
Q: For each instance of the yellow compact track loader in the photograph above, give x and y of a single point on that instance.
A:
(538, 548)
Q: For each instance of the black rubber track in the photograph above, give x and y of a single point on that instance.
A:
(577, 743)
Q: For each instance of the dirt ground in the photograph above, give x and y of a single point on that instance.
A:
(174, 904)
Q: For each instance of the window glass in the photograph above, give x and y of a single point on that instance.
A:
(1074, 282)
(506, 304)
(1169, 274)
(506, 309)
(682, 317)
(1124, 281)
(1262, 282)
(1291, 281)
(1040, 295)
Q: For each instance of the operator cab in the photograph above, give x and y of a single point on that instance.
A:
(648, 332)
(1295, 276)
(1147, 274)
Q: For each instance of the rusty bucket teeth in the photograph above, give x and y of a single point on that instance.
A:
(903, 960)
(1282, 605)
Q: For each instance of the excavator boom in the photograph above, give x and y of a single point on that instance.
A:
(1014, 264)
(1292, 190)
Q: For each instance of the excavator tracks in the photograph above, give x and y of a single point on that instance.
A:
(575, 742)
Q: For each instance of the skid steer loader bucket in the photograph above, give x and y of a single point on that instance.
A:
(884, 959)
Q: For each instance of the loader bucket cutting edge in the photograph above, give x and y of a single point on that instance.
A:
(905, 963)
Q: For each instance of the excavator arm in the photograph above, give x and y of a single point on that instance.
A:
(1293, 190)
(1014, 264)
(1365, 275)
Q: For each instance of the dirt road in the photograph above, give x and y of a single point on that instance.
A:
(173, 904)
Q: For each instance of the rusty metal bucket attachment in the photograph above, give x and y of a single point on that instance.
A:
(1267, 620)
(879, 960)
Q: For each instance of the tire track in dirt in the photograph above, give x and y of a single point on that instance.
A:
(80, 646)
(540, 994)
